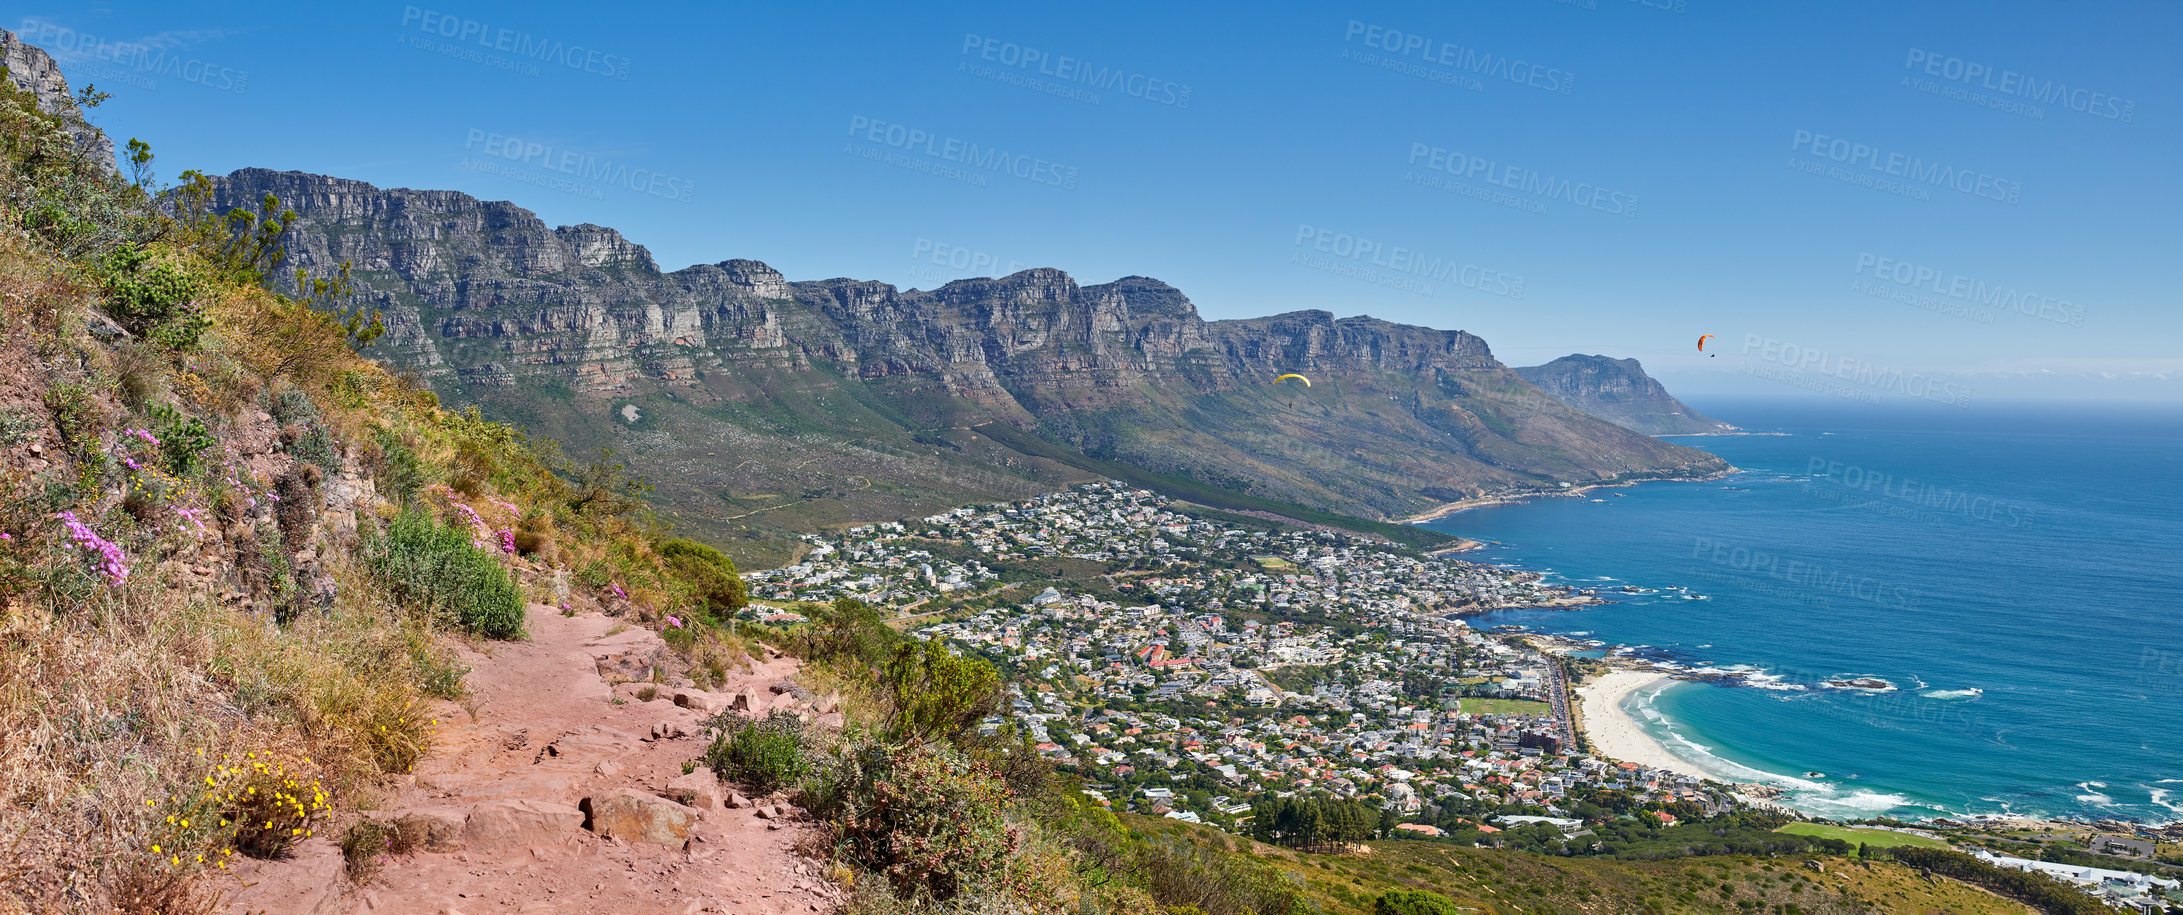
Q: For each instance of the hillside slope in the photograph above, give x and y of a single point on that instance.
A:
(575, 331)
(1619, 391)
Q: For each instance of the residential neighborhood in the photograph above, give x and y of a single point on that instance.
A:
(1190, 664)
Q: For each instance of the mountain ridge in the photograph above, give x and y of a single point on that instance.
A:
(561, 327)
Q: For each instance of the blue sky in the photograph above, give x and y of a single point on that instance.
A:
(1856, 194)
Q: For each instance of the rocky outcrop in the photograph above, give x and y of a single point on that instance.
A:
(33, 70)
(491, 305)
(1619, 391)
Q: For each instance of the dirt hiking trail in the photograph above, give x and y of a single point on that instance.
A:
(554, 797)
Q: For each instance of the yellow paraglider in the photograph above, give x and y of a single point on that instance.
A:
(1306, 381)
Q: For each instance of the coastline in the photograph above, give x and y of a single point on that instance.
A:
(1615, 735)
(1442, 511)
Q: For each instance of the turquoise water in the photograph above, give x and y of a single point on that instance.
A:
(2014, 574)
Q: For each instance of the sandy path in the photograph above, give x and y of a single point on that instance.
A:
(548, 732)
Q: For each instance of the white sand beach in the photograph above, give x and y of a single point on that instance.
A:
(1614, 734)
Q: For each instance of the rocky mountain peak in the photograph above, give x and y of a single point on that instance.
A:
(33, 70)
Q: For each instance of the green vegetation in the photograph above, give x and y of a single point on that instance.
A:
(934, 695)
(710, 575)
(1873, 838)
(433, 568)
(764, 756)
(1476, 706)
(1415, 902)
(1300, 822)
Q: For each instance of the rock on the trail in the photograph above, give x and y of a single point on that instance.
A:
(435, 828)
(749, 701)
(510, 824)
(633, 816)
(630, 664)
(699, 701)
(669, 730)
(699, 789)
(736, 800)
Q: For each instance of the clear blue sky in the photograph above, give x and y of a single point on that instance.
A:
(1653, 165)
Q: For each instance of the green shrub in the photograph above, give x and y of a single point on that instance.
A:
(717, 588)
(76, 417)
(432, 568)
(1415, 902)
(764, 756)
(848, 630)
(396, 471)
(934, 695)
(923, 816)
(182, 439)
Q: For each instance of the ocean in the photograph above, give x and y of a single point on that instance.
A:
(2014, 575)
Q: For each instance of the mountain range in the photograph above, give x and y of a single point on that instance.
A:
(761, 405)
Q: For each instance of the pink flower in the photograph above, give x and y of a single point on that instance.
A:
(677, 623)
(507, 541)
(112, 561)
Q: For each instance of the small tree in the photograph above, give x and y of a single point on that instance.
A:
(709, 574)
(936, 695)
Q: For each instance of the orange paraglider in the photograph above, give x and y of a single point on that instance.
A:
(1702, 338)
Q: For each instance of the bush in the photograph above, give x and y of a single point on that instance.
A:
(924, 816)
(432, 568)
(764, 756)
(1415, 902)
(848, 630)
(182, 439)
(709, 574)
(937, 696)
(157, 299)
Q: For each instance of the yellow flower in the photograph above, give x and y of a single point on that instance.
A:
(155, 849)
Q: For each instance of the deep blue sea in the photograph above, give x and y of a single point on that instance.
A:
(2014, 574)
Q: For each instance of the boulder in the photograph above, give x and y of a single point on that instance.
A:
(633, 816)
(698, 701)
(432, 828)
(629, 665)
(699, 789)
(736, 801)
(514, 823)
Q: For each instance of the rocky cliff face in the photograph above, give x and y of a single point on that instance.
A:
(31, 69)
(546, 325)
(1619, 391)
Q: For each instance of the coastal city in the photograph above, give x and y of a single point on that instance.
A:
(1213, 662)
(1188, 664)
